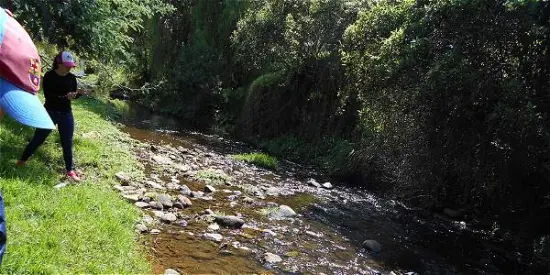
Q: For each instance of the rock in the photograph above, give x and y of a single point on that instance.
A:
(197, 194)
(184, 190)
(327, 185)
(209, 189)
(178, 205)
(232, 197)
(269, 233)
(121, 176)
(185, 201)
(183, 223)
(313, 234)
(156, 205)
(244, 248)
(162, 159)
(169, 217)
(148, 220)
(154, 185)
(141, 204)
(213, 237)
(313, 183)
(141, 228)
(119, 188)
(165, 200)
(372, 246)
(213, 227)
(229, 221)
(158, 214)
(272, 258)
(172, 186)
(233, 204)
(227, 191)
(182, 168)
(131, 198)
(273, 191)
(171, 272)
(284, 211)
(154, 231)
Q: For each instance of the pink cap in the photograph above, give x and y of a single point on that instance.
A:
(66, 59)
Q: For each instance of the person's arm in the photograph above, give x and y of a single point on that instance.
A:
(74, 88)
(47, 86)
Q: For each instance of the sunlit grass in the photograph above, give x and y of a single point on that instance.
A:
(259, 159)
(84, 228)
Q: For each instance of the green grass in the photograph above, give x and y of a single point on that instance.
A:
(84, 228)
(260, 159)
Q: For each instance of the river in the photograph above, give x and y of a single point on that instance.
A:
(327, 234)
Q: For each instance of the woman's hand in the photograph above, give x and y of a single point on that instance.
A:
(84, 92)
(72, 95)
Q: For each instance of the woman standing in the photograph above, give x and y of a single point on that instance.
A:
(60, 88)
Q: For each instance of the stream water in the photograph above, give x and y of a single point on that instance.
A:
(326, 236)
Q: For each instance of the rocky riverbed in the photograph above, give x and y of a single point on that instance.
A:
(205, 212)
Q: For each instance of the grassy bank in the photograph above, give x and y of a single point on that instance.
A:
(84, 228)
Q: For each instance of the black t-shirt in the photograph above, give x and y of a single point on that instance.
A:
(56, 88)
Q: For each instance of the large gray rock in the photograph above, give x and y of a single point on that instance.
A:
(272, 258)
(166, 200)
(229, 221)
(372, 246)
(283, 212)
(185, 201)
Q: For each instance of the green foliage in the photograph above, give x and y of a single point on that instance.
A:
(85, 228)
(332, 155)
(452, 101)
(260, 159)
(99, 28)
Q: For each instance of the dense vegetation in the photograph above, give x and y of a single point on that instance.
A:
(437, 103)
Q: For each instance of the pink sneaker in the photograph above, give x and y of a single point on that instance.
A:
(73, 176)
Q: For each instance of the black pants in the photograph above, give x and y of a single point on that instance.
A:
(65, 126)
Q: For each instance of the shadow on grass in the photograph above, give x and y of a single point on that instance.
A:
(42, 168)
